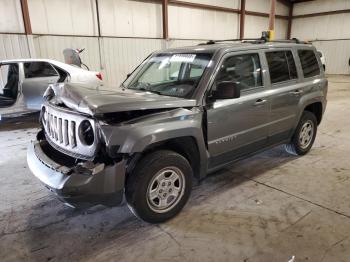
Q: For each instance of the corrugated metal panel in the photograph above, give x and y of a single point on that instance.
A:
(193, 23)
(281, 27)
(11, 47)
(223, 3)
(181, 43)
(63, 17)
(256, 24)
(122, 55)
(322, 27)
(320, 6)
(264, 7)
(11, 20)
(131, 18)
(52, 47)
(337, 54)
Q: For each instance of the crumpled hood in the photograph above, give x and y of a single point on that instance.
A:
(95, 101)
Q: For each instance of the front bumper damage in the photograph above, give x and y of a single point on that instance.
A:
(78, 186)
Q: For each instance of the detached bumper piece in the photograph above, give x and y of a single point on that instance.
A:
(81, 185)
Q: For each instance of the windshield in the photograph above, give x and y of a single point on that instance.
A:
(170, 74)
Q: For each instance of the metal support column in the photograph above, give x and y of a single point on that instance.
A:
(242, 20)
(165, 18)
(290, 20)
(272, 20)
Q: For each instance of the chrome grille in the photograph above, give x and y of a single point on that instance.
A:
(62, 134)
(61, 130)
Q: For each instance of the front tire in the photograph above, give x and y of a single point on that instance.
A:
(159, 186)
(304, 135)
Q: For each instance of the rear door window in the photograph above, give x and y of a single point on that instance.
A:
(39, 69)
(309, 63)
(281, 66)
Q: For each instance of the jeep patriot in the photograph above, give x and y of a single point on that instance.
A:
(181, 114)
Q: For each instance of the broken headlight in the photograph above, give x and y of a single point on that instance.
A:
(86, 133)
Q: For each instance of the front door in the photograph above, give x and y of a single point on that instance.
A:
(239, 126)
(38, 76)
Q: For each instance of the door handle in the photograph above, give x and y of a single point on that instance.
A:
(260, 102)
(297, 92)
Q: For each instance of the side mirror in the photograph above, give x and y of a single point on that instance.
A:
(227, 90)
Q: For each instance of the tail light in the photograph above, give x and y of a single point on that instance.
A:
(99, 76)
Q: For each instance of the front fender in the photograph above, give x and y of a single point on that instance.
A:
(136, 137)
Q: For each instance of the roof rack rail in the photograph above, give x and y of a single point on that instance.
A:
(261, 40)
(293, 40)
(212, 42)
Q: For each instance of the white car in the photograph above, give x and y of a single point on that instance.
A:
(24, 81)
(323, 59)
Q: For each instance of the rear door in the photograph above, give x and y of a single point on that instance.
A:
(37, 77)
(238, 126)
(285, 93)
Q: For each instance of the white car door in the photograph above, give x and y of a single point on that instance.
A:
(37, 77)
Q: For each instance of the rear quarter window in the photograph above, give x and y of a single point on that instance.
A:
(309, 63)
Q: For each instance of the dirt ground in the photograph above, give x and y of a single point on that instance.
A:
(271, 207)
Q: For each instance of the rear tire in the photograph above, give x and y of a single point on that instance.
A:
(304, 135)
(159, 186)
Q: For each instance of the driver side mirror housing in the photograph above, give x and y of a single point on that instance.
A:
(226, 90)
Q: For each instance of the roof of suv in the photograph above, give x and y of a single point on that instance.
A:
(235, 46)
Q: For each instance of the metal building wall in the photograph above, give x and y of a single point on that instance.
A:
(123, 18)
(222, 3)
(322, 27)
(337, 54)
(63, 17)
(320, 6)
(326, 31)
(11, 20)
(204, 24)
(264, 7)
(254, 25)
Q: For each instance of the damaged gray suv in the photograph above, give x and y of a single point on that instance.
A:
(183, 113)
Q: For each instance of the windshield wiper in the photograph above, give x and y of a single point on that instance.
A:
(147, 90)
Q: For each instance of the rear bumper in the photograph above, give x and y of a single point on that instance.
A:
(78, 187)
